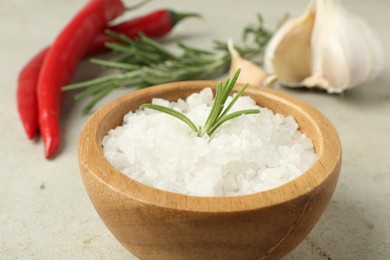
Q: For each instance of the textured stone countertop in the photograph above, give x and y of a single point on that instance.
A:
(45, 212)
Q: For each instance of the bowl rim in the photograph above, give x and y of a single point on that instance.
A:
(327, 163)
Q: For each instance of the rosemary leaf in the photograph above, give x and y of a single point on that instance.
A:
(114, 64)
(158, 47)
(225, 118)
(91, 91)
(98, 97)
(191, 50)
(171, 112)
(118, 36)
(230, 85)
(235, 98)
(144, 56)
(213, 112)
(90, 83)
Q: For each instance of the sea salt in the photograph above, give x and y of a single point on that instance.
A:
(248, 154)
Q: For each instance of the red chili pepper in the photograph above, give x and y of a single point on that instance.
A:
(155, 24)
(61, 61)
(26, 93)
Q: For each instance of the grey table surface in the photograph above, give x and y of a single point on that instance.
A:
(45, 212)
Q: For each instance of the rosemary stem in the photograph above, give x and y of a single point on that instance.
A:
(144, 62)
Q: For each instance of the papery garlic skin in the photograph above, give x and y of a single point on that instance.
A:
(250, 72)
(344, 50)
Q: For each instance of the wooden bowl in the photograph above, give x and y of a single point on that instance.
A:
(156, 224)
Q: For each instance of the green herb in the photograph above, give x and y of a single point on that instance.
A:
(218, 113)
(145, 62)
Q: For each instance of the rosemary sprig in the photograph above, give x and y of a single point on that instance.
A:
(218, 115)
(144, 62)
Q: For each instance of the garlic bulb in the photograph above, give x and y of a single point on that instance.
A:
(327, 47)
(250, 72)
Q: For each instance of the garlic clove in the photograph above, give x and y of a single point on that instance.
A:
(341, 58)
(292, 49)
(250, 72)
(327, 47)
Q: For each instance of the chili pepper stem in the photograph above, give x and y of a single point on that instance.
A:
(179, 16)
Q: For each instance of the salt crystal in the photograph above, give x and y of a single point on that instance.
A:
(248, 154)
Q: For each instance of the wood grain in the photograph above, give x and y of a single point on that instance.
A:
(155, 224)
